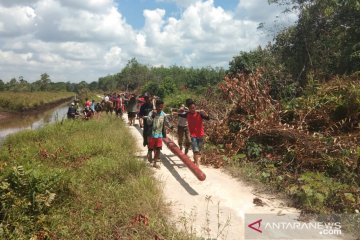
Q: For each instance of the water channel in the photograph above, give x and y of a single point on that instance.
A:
(31, 120)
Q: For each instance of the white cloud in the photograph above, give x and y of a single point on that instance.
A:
(203, 35)
(258, 11)
(88, 39)
(180, 3)
(17, 20)
(113, 57)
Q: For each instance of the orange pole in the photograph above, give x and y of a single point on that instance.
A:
(187, 161)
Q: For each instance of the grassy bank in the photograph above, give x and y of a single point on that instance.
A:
(79, 180)
(22, 101)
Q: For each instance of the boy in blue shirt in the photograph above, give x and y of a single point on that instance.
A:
(156, 121)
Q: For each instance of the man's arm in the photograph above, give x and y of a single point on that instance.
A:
(167, 122)
(204, 115)
(150, 118)
(183, 115)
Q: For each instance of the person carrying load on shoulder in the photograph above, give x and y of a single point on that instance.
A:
(156, 121)
(118, 106)
(145, 109)
(132, 109)
(196, 128)
(182, 129)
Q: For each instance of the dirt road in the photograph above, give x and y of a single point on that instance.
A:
(216, 207)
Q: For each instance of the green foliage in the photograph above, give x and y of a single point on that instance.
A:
(318, 193)
(154, 89)
(2, 85)
(253, 150)
(168, 86)
(20, 101)
(174, 101)
(247, 62)
(26, 198)
(324, 40)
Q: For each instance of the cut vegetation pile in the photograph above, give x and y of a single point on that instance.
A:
(79, 180)
(308, 147)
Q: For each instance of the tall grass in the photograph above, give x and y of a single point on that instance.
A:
(20, 101)
(79, 180)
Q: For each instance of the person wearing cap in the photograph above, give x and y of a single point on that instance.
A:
(72, 111)
(183, 130)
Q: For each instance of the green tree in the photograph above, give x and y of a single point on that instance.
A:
(93, 86)
(58, 86)
(324, 41)
(133, 75)
(23, 85)
(107, 83)
(43, 84)
(168, 86)
(2, 85)
(12, 85)
(154, 89)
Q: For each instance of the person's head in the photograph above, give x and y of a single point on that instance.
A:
(159, 105)
(192, 107)
(93, 101)
(147, 98)
(188, 102)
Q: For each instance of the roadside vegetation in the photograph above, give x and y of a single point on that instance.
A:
(79, 180)
(286, 115)
(22, 101)
(307, 148)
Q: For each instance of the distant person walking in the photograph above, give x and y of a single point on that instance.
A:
(132, 109)
(118, 105)
(145, 109)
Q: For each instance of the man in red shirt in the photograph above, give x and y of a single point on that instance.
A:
(196, 129)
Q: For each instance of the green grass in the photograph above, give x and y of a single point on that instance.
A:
(20, 101)
(78, 180)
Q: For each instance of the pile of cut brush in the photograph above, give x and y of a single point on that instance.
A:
(302, 144)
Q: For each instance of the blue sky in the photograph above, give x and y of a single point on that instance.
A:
(87, 39)
(133, 9)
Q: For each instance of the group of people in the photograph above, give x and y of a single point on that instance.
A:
(89, 109)
(190, 129)
(149, 111)
(110, 103)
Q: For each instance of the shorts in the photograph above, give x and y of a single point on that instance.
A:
(197, 143)
(154, 143)
(131, 114)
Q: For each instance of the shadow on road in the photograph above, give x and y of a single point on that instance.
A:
(170, 165)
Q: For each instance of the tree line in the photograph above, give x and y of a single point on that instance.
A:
(134, 76)
(45, 84)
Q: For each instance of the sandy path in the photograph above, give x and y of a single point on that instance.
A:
(214, 208)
